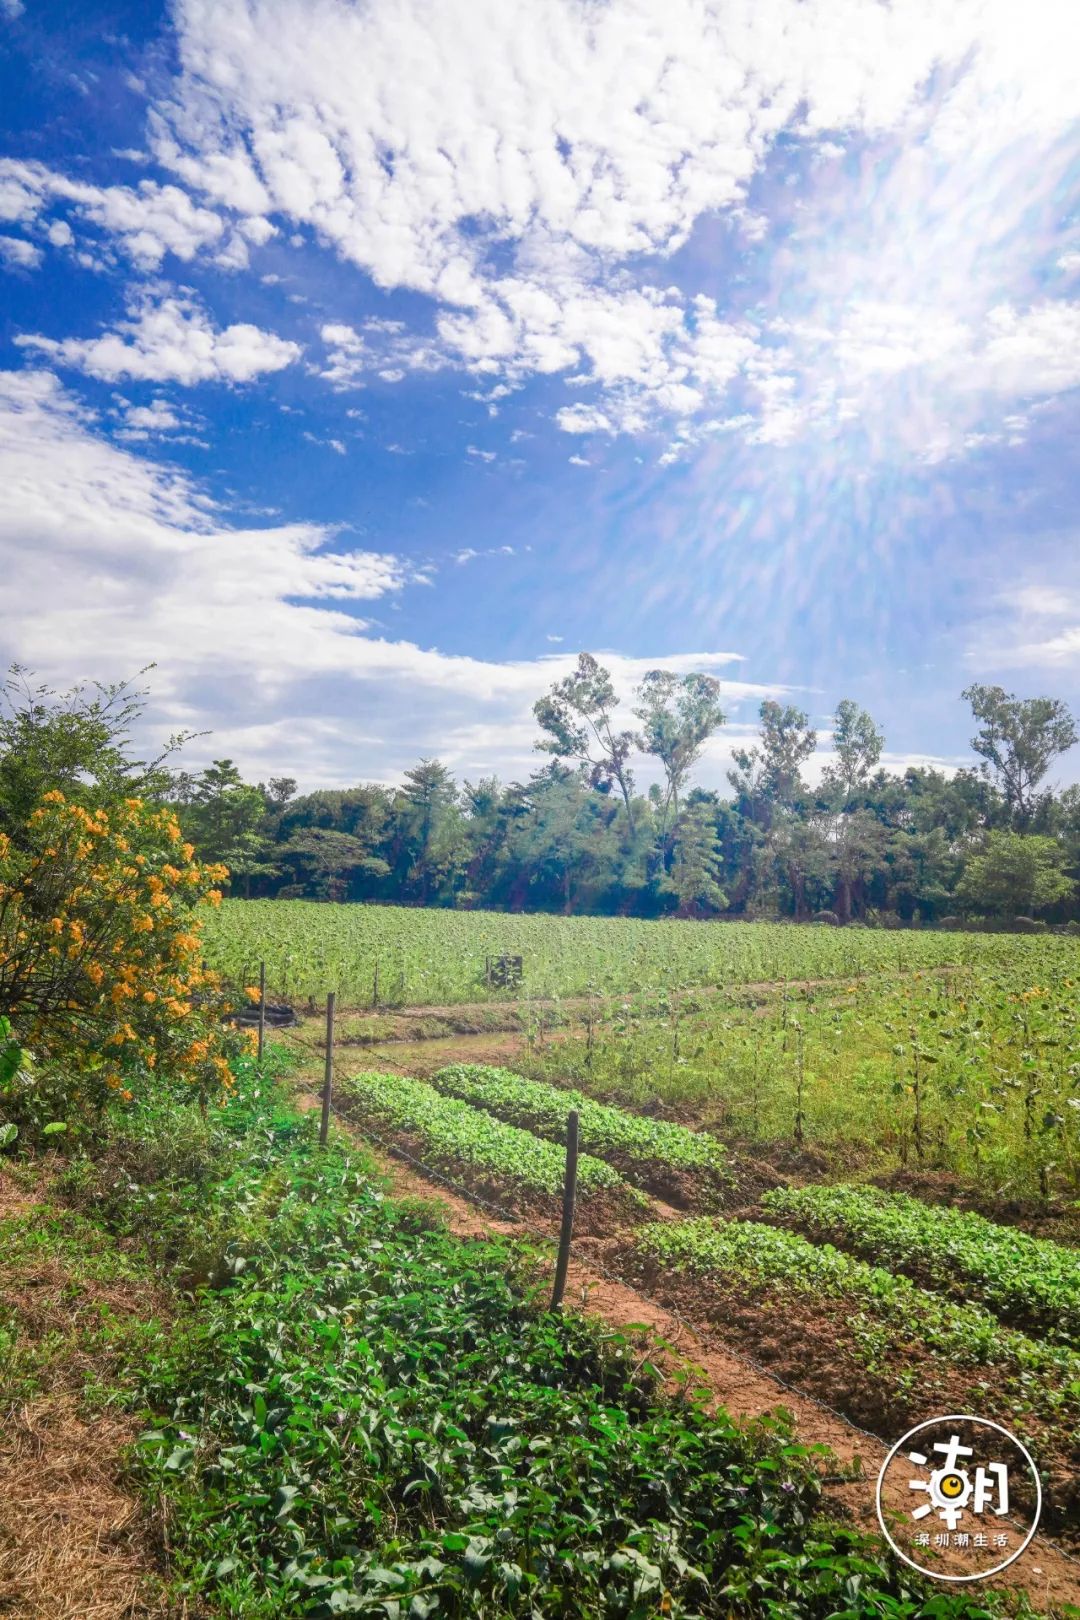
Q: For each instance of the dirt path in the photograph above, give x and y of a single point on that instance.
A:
(512, 1015)
(1049, 1576)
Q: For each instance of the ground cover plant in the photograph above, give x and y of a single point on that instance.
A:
(890, 1350)
(1023, 1279)
(688, 1167)
(511, 1165)
(370, 1417)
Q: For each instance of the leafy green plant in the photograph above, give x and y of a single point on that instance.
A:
(1028, 1280)
(769, 1263)
(371, 1418)
(690, 1166)
(460, 1140)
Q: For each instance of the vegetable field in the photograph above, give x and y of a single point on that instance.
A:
(853, 1155)
(428, 957)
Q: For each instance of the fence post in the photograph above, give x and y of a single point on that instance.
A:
(262, 1010)
(569, 1195)
(328, 1072)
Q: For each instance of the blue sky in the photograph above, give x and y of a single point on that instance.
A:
(362, 362)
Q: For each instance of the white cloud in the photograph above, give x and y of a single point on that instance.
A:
(18, 254)
(381, 348)
(1034, 351)
(171, 340)
(513, 162)
(143, 421)
(605, 131)
(115, 561)
(1030, 623)
(149, 220)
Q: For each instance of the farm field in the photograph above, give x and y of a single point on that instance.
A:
(801, 1125)
(944, 1056)
(429, 957)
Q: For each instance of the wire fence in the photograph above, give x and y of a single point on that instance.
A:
(709, 1341)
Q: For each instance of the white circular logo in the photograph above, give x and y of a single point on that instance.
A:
(958, 1498)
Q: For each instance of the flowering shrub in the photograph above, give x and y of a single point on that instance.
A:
(100, 971)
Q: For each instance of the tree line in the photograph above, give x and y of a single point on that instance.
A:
(862, 845)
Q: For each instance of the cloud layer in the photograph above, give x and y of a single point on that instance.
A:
(112, 561)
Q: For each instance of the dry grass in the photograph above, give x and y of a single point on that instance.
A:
(72, 1542)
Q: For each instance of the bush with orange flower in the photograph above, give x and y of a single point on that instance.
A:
(100, 957)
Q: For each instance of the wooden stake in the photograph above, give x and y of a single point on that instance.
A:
(569, 1196)
(262, 1010)
(328, 1072)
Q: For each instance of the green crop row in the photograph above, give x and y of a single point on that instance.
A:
(1024, 1279)
(651, 1153)
(746, 1254)
(455, 1138)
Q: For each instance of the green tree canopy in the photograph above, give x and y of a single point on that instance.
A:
(1014, 876)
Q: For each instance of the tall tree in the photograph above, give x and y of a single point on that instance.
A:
(857, 745)
(329, 858)
(1018, 740)
(769, 772)
(431, 828)
(223, 817)
(578, 715)
(679, 715)
(697, 866)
